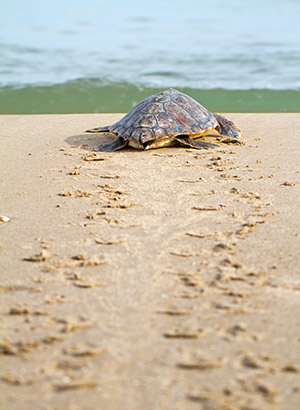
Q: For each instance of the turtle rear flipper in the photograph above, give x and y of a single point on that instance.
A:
(195, 144)
(113, 146)
(99, 129)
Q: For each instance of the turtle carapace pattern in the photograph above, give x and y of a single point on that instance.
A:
(164, 119)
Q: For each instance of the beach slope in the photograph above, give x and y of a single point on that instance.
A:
(149, 280)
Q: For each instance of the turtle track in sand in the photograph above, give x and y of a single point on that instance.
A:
(154, 272)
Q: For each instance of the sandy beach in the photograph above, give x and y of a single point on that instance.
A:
(161, 279)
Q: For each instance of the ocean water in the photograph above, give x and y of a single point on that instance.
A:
(105, 56)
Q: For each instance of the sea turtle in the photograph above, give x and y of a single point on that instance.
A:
(165, 118)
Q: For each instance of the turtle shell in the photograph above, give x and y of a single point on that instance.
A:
(164, 115)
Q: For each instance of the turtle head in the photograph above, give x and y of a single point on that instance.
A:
(227, 128)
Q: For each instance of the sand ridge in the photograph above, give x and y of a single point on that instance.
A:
(159, 279)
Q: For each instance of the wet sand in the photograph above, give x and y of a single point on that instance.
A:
(166, 279)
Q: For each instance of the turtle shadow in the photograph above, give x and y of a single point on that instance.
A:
(88, 142)
(91, 141)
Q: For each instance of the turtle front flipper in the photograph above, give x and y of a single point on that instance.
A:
(99, 129)
(119, 143)
(227, 129)
(185, 140)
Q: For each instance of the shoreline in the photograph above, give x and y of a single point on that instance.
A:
(149, 279)
(80, 96)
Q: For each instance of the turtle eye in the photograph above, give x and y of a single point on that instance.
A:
(237, 132)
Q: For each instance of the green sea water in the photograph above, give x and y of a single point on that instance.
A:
(99, 56)
(83, 96)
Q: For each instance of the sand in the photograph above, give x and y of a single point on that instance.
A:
(166, 279)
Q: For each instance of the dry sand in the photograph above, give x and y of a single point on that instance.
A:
(166, 279)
